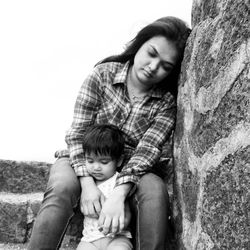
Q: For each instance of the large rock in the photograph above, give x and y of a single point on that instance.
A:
(21, 192)
(212, 135)
(17, 212)
(23, 177)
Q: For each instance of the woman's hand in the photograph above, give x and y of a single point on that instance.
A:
(112, 216)
(92, 198)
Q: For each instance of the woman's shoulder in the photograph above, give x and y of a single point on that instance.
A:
(112, 67)
(110, 72)
(169, 98)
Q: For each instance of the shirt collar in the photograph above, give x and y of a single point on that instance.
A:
(157, 93)
(121, 77)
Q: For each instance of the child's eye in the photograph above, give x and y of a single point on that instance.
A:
(89, 161)
(104, 162)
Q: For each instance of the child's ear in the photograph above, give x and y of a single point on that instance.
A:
(119, 162)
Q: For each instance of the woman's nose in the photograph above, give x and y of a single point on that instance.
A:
(153, 66)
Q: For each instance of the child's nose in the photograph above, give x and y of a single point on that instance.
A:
(97, 166)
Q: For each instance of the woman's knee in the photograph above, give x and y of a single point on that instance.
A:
(120, 243)
(63, 187)
(152, 186)
(63, 181)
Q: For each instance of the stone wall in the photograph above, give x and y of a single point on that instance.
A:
(212, 137)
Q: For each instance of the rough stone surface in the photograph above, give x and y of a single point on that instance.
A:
(13, 222)
(17, 212)
(21, 191)
(23, 177)
(226, 201)
(212, 135)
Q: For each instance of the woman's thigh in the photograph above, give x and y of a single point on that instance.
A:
(150, 208)
(63, 180)
(61, 171)
(151, 186)
(61, 196)
(151, 195)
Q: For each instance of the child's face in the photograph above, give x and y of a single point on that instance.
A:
(101, 167)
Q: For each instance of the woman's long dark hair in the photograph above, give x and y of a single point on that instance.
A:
(174, 30)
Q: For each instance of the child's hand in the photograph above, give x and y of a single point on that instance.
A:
(91, 198)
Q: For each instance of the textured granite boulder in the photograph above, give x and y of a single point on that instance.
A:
(22, 185)
(212, 137)
(23, 177)
(17, 212)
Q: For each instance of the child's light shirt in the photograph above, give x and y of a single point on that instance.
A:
(90, 225)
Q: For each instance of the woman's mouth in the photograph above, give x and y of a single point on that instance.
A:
(147, 73)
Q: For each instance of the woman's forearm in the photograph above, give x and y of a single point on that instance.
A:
(122, 190)
(87, 181)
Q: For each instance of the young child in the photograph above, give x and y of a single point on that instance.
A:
(103, 147)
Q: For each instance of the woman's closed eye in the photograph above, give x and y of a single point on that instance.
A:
(167, 67)
(152, 52)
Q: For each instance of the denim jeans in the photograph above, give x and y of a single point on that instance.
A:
(149, 206)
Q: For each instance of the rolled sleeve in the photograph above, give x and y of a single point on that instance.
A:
(126, 178)
(81, 170)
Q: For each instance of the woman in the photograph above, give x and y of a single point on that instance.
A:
(135, 91)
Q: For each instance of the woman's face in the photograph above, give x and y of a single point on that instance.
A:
(154, 61)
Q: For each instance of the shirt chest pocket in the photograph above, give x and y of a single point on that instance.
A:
(108, 113)
(105, 113)
(141, 125)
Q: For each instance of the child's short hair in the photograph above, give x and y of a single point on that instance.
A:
(104, 139)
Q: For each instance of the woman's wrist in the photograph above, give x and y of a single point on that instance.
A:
(122, 190)
(86, 181)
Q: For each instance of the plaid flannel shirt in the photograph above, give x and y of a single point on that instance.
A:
(103, 98)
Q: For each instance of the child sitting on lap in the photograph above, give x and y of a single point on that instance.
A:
(103, 147)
